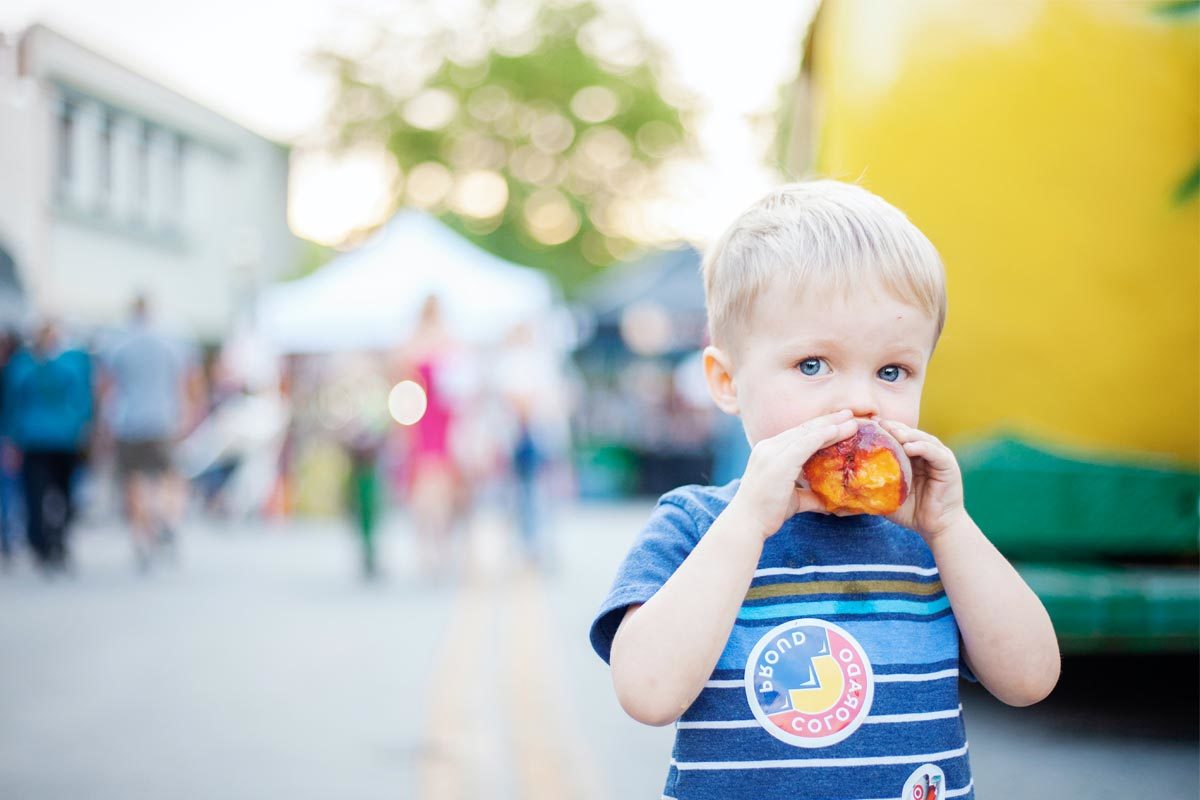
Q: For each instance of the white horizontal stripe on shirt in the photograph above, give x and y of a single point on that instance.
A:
(913, 677)
(907, 677)
(767, 573)
(720, 724)
(881, 718)
(949, 792)
(802, 763)
(716, 724)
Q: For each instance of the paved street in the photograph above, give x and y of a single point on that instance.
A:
(259, 666)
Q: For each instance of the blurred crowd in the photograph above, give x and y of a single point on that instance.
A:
(119, 400)
(140, 424)
(437, 427)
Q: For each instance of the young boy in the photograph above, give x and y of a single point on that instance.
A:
(803, 654)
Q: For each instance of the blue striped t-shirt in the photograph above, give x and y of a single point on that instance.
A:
(840, 676)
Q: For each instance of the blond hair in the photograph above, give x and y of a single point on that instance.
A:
(818, 235)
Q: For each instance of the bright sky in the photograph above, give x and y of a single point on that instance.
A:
(248, 60)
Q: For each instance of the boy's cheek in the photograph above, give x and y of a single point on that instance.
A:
(910, 418)
(906, 411)
(758, 425)
(754, 430)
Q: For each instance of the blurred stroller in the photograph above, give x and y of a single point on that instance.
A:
(232, 456)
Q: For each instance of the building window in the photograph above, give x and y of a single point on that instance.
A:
(178, 156)
(67, 120)
(142, 197)
(105, 194)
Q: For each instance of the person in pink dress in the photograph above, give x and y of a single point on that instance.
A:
(433, 484)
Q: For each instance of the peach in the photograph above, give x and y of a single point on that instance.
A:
(869, 473)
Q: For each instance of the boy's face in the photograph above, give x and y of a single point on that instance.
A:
(804, 356)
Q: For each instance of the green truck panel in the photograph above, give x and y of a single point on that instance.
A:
(1110, 548)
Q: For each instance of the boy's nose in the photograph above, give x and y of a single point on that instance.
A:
(861, 402)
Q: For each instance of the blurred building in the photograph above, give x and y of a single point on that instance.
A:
(111, 184)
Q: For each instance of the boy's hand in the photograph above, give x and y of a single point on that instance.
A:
(936, 500)
(769, 493)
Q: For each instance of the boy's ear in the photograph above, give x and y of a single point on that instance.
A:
(718, 372)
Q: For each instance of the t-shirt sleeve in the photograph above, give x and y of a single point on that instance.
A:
(665, 541)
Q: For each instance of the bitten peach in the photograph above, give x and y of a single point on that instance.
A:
(869, 473)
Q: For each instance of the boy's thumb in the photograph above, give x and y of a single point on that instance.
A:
(806, 500)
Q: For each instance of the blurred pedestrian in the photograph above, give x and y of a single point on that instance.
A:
(529, 375)
(434, 486)
(48, 413)
(10, 462)
(527, 461)
(147, 387)
(233, 453)
(363, 443)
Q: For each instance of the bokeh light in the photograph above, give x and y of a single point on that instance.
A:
(431, 110)
(480, 193)
(595, 104)
(428, 184)
(646, 328)
(407, 402)
(550, 218)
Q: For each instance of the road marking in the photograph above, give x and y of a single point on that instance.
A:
(530, 747)
(450, 768)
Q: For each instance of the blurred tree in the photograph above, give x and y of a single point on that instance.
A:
(536, 129)
(313, 256)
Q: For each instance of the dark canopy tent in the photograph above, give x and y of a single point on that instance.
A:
(629, 443)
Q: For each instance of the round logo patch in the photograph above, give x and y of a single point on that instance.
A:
(927, 783)
(809, 683)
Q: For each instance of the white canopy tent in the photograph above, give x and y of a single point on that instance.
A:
(369, 298)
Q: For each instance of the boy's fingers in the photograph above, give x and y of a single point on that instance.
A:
(822, 425)
(802, 433)
(933, 453)
(906, 433)
(818, 422)
(837, 416)
(809, 439)
(807, 501)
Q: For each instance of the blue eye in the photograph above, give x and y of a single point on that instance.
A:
(891, 373)
(811, 366)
